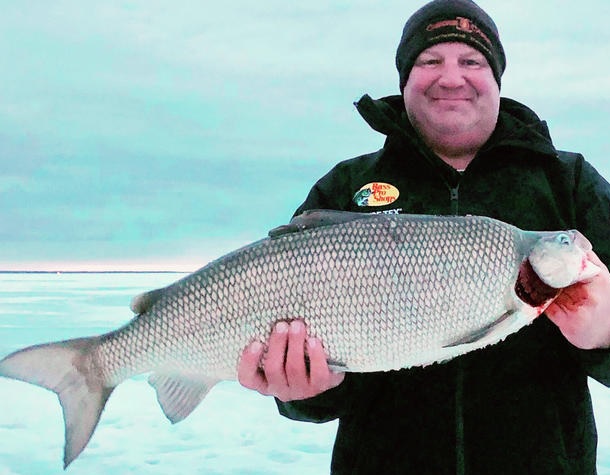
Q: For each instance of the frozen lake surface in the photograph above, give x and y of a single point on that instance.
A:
(234, 431)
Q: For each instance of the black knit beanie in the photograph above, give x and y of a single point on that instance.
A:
(442, 21)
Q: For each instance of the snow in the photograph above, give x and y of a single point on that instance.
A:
(234, 431)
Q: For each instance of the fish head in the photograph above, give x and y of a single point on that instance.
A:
(560, 258)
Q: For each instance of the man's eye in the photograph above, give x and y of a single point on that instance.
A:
(472, 62)
(429, 62)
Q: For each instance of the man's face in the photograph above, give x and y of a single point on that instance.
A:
(451, 93)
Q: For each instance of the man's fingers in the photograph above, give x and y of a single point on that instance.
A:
(318, 367)
(320, 376)
(296, 370)
(249, 373)
(285, 373)
(274, 359)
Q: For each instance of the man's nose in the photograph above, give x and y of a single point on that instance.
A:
(451, 75)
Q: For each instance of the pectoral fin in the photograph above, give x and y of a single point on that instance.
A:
(480, 333)
(496, 331)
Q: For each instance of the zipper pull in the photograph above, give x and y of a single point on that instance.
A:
(455, 193)
(455, 196)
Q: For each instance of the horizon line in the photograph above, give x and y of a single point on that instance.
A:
(90, 271)
(50, 267)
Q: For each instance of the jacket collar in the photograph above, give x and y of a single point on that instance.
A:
(518, 126)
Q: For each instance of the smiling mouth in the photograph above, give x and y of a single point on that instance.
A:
(452, 99)
(451, 103)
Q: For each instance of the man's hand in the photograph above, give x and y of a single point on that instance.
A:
(582, 311)
(293, 366)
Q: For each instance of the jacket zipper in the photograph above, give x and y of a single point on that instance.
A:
(454, 193)
(460, 465)
(454, 196)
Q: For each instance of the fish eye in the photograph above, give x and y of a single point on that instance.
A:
(563, 239)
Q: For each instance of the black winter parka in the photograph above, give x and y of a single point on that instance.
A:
(519, 407)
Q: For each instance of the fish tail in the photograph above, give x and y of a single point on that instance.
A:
(67, 369)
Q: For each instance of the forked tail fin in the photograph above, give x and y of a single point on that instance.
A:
(65, 368)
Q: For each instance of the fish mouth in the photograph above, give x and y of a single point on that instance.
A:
(588, 270)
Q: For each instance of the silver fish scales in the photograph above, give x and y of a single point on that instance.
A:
(418, 275)
(381, 291)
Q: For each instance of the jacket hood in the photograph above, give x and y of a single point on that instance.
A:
(518, 125)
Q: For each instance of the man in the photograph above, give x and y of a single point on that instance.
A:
(454, 147)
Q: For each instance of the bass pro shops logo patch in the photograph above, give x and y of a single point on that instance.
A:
(376, 194)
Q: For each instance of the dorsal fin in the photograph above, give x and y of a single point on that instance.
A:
(143, 302)
(316, 218)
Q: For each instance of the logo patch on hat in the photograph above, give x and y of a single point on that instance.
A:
(376, 194)
(461, 24)
(462, 28)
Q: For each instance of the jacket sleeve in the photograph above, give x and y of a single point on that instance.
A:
(592, 198)
(324, 407)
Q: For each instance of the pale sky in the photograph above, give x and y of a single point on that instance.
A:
(161, 134)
